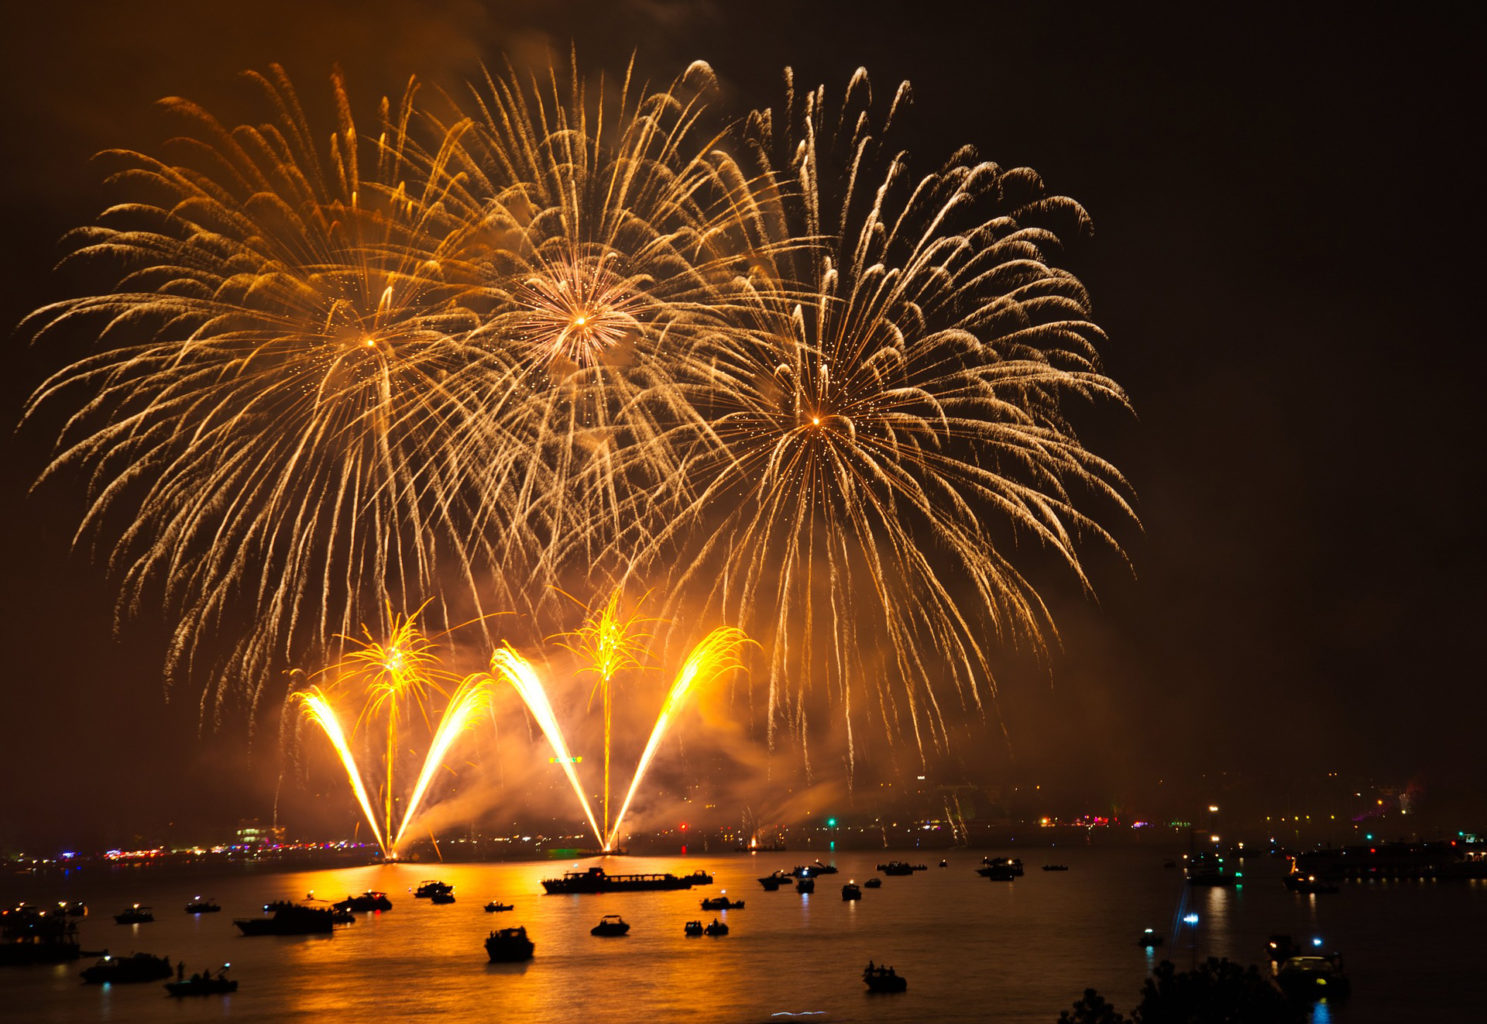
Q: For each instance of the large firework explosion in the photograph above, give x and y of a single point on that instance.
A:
(563, 329)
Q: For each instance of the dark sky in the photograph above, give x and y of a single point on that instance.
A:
(1288, 227)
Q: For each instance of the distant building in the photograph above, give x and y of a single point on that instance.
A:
(253, 833)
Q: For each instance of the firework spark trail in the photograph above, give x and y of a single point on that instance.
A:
(511, 666)
(319, 711)
(717, 653)
(472, 695)
(609, 644)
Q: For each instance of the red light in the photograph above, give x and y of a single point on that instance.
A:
(683, 826)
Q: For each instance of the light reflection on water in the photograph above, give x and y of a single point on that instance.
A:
(973, 950)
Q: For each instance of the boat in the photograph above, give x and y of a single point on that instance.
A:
(716, 929)
(692, 929)
(772, 882)
(121, 970)
(368, 902)
(873, 883)
(202, 906)
(722, 903)
(1313, 977)
(429, 889)
(896, 867)
(1000, 869)
(30, 935)
(341, 915)
(1055, 867)
(272, 906)
(851, 891)
(944, 863)
(596, 880)
(446, 896)
(203, 984)
(294, 919)
(610, 925)
(883, 979)
(135, 915)
(73, 908)
(1149, 938)
(509, 945)
(817, 868)
(494, 906)
(806, 886)
(1208, 869)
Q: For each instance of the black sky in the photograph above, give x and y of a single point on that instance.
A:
(1288, 227)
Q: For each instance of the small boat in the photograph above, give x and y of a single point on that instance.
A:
(203, 984)
(135, 915)
(883, 979)
(944, 863)
(202, 906)
(851, 891)
(122, 970)
(73, 908)
(805, 886)
(1149, 939)
(294, 919)
(368, 902)
(873, 883)
(1055, 867)
(509, 945)
(1000, 869)
(445, 896)
(1313, 977)
(429, 889)
(722, 903)
(772, 882)
(896, 867)
(494, 906)
(716, 929)
(692, 929)
(1307, 884)
(611, 926)
(817, 868)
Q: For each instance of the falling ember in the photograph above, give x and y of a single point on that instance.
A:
(472, 695)
(507, 664)
(716, 654)
(319, 711)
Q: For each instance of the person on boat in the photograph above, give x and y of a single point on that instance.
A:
(181, 971)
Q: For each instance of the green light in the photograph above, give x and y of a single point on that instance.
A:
(831, 823)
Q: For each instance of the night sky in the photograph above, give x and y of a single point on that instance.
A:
(1288, 228)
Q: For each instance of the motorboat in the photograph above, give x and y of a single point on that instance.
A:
(944, 863)
(1149, 938)
(368, 902)
(805, 886)
(692, 929)
(1313, 977)
(429, 889)
(202, 906)
(1055, 867)
(135, 915)
(442, 897)
(722, 903)
(851, 891)
(896, 867)
(772, 882)
(818, 868)
(873, 883)
(1001, 869)
(716, 929)
(203, 984)
(495, 906)
(121, 970)
(295, 919)
(610, 926)
(883, 979)
(509, 945)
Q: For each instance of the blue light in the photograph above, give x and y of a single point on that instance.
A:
(1317, 941)
(1190, 919)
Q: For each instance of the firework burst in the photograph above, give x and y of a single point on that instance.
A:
(901, 398)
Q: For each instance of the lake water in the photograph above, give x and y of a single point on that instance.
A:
(973, 950)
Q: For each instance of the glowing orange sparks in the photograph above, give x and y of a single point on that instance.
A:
(319, 711)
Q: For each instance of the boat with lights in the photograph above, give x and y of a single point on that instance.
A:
(596, 880)
(366, 903)
(883, 979)
(203, 984)
(295, 919)
(122, 970)
(135, 915)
